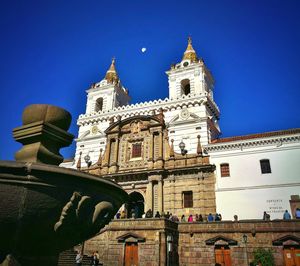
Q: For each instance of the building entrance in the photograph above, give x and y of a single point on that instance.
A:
(131, 254)
(135, 205)
(291, 256)
(222, 254)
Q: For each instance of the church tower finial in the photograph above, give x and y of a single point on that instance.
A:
(108, 93)
(190, 53)
(111, 74)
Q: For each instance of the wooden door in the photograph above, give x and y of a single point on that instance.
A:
(291, 257)
(223, 256)
(131, 254)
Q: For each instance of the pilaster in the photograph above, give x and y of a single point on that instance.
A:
(149, 197)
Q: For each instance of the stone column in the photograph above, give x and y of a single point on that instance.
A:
(116, 151)
(151, 151)
(159, 161)
(163, 249)
(160, 150)
(107, 152)
(172, 195)
(160, 195)
(114, 164)
(149, 202)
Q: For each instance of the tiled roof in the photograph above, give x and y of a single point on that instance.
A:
(258, 135)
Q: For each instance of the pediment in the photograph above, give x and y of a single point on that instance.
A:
(179, 119)
(135, 123)
(94, 132)
(130, 237)
(286, 240)
(221, 240)
(84, 134)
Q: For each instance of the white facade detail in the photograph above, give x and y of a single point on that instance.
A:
(193, 73)
(190, 111)
(247, 192)
(107, 94)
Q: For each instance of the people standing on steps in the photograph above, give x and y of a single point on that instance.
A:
(78, 258)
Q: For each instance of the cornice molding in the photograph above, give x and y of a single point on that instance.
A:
(145, 108)
(227, 189)
(245, 144)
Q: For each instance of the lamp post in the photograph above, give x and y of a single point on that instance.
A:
(169, 249)
(183, 150)
(245, 240)
(87, 160)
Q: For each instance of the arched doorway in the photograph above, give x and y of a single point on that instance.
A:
(135, 205)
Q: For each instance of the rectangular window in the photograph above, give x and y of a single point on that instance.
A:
(225, 169)
(136, 150)
(265, 166)
(187, 199)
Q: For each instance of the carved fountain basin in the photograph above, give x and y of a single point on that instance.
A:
(45, 209)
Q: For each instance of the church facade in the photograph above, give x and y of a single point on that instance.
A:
(169, 157)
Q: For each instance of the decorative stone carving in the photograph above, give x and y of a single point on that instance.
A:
(184, 114)
(48, 209)
(43, 133)
(199, 148)
(136, 126)
(94, 130)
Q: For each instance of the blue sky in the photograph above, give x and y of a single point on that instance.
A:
(51, 51)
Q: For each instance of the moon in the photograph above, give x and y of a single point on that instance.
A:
(144, 49)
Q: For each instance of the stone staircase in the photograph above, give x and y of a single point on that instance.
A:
(67, 258)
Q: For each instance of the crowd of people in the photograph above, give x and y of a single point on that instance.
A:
(189, 218)
(286, 215)
(197, 217)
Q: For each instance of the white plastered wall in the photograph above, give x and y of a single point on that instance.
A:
(247, 192)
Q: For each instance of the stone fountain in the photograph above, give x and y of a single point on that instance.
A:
(46, 209)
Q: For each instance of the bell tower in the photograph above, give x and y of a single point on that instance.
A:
(191, 81)
(190, 76)
(108, 93)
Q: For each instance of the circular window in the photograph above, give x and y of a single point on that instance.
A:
(185, 64)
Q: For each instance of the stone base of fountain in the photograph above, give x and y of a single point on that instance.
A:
(46, 209)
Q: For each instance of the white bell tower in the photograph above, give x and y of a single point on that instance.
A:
(190, 80)
(108, 93)
(190, 76)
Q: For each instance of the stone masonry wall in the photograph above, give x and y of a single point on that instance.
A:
(189, 240)
(151, 252)
(194, 251)
(203, 194)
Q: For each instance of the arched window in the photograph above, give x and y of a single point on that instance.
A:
(185, 87)
(265, 166)
(224, 167)
(99, 105)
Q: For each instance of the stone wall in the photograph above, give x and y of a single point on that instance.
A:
(192, 243)
(203, 189)
(193, 249)
(148, 233)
